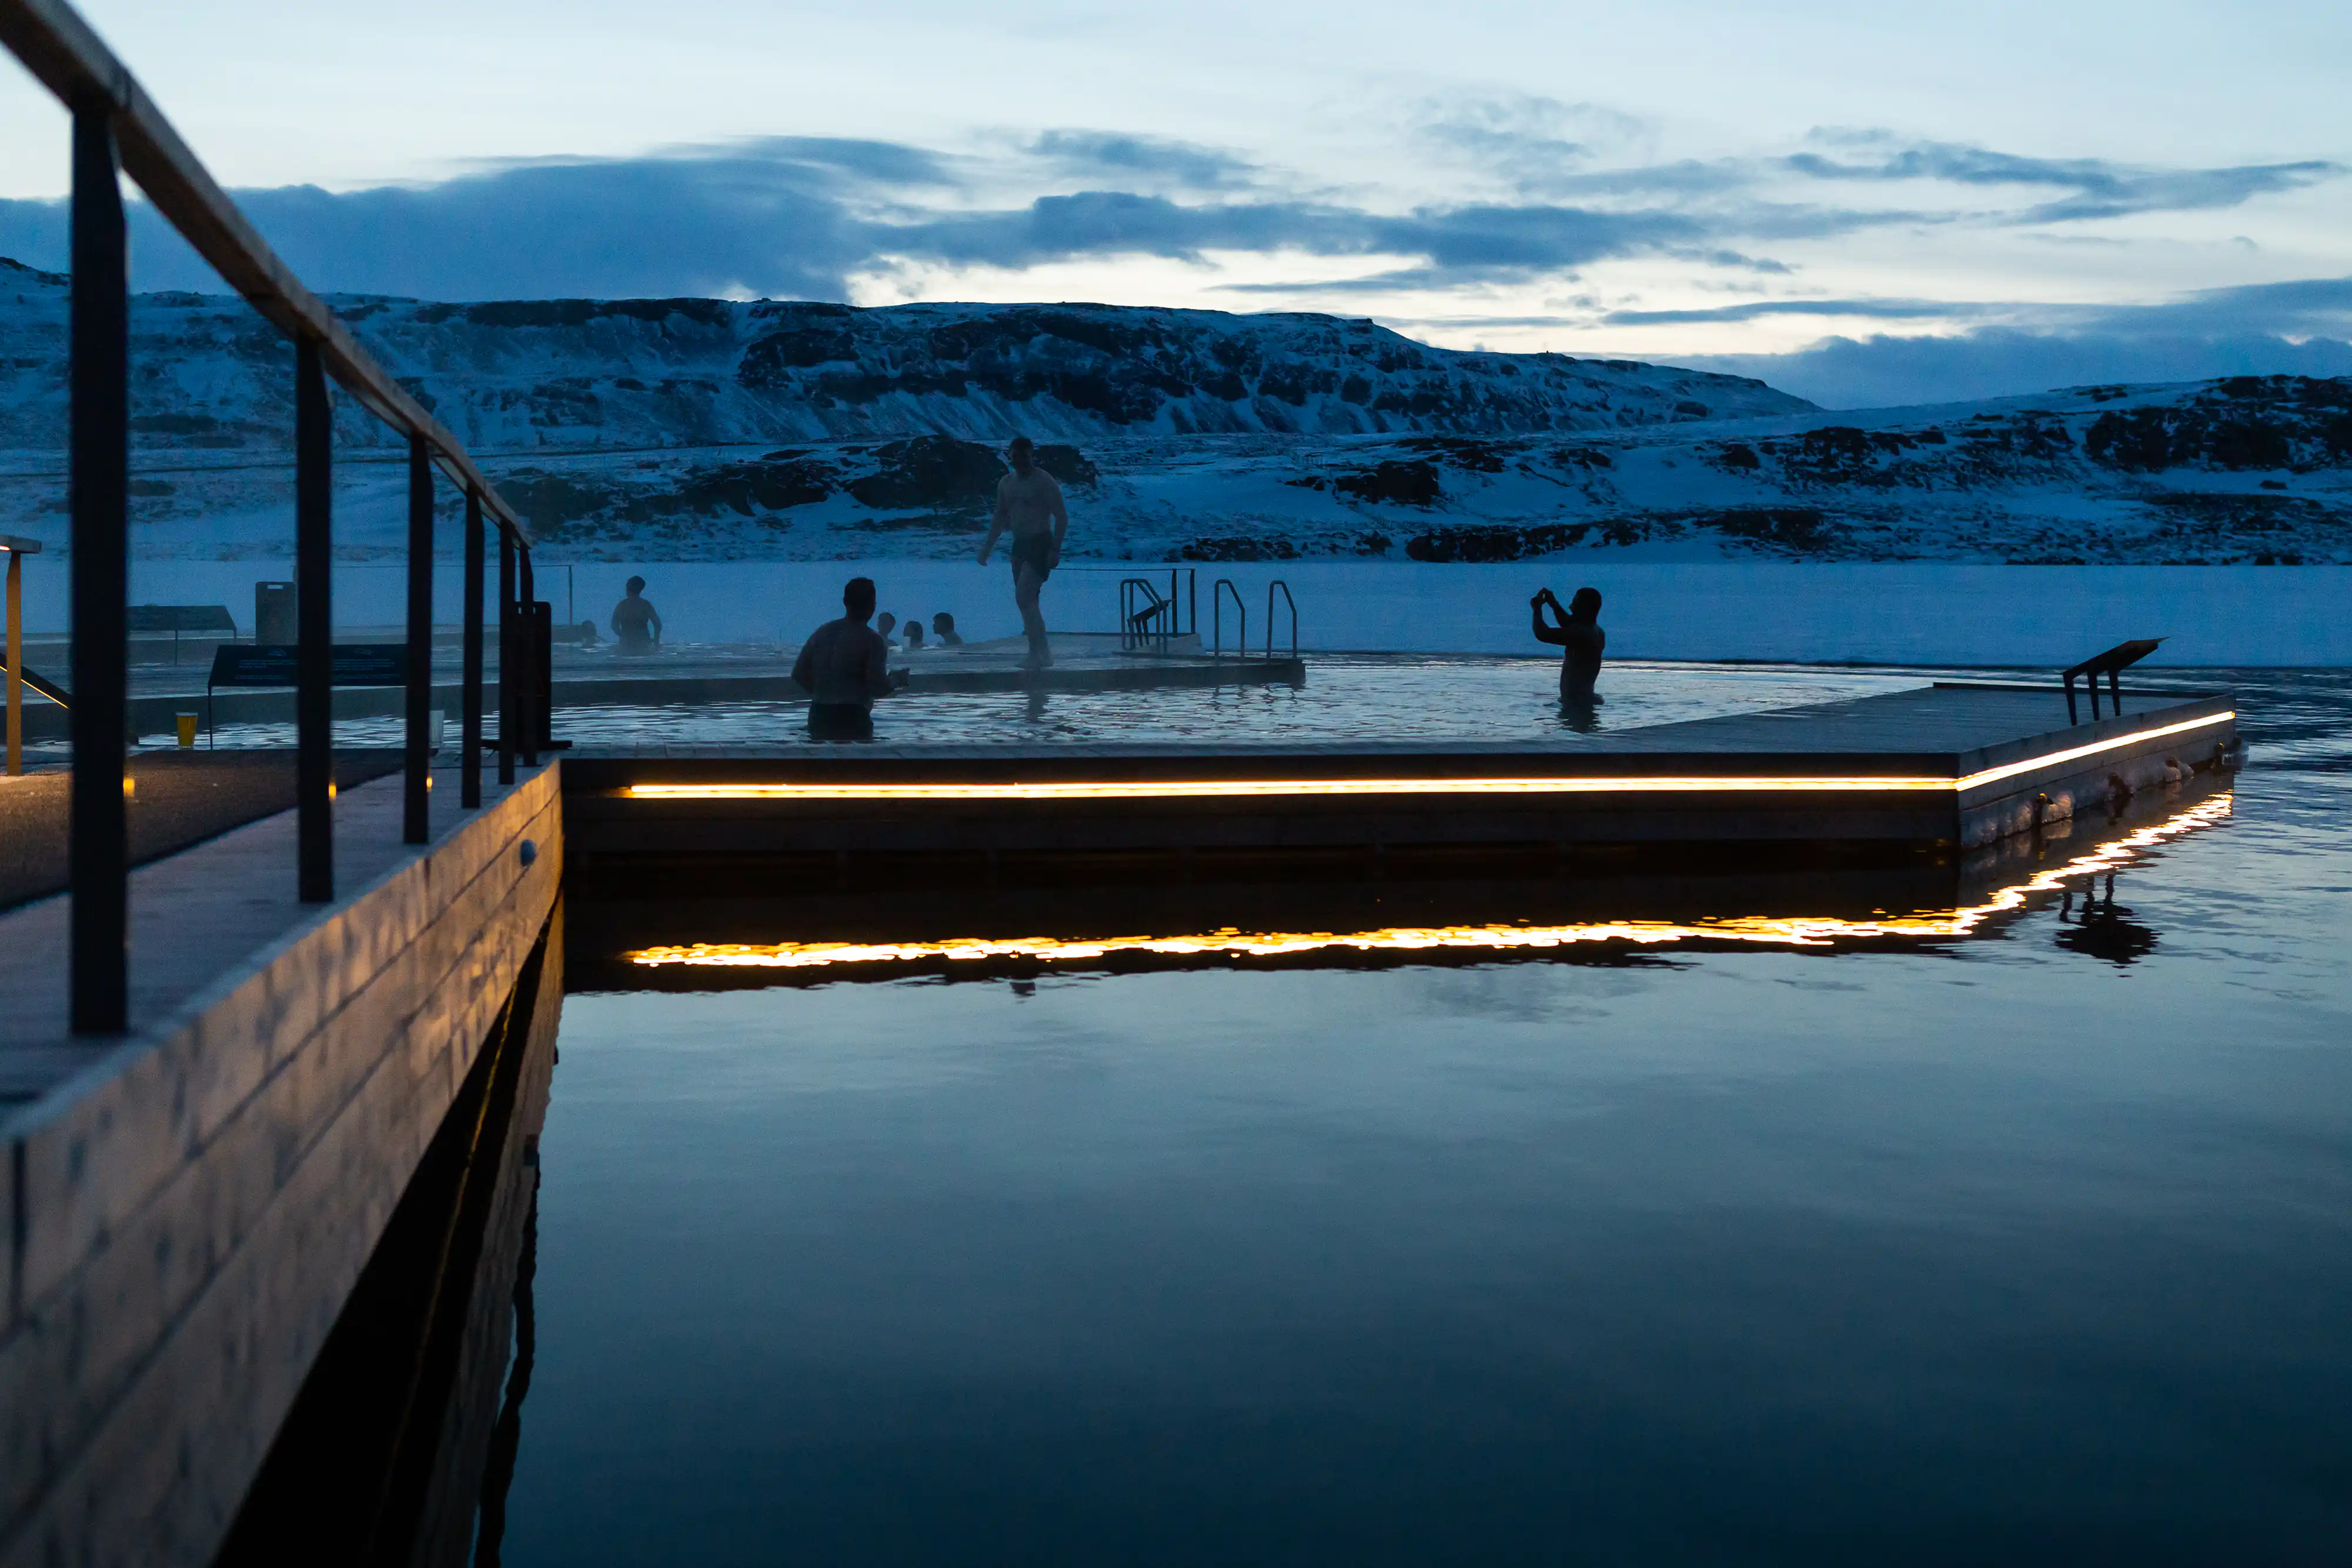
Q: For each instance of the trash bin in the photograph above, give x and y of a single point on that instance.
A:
(275, 623)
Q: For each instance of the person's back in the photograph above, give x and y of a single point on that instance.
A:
(844, 666)
(635, 624)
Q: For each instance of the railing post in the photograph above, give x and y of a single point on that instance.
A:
(417, 780)
(507, 682)
(314, 639)
(469, 792)
(16, 665)
(99, 848)
(527, 680)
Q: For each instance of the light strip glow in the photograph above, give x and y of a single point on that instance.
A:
(2010, 770)
(1798, 931)
(1231, 789)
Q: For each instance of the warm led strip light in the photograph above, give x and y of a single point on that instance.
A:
(1229, 788)
(1799, 931)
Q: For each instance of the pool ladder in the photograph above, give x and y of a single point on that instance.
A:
(1224, 588)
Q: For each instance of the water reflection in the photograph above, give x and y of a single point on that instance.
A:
(2102, 929)
(1581, 715)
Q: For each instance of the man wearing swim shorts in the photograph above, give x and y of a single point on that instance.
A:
(1029, 502)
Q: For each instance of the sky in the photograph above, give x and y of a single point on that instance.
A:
(1864, 205)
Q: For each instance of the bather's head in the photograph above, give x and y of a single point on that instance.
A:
(943, 624)
(1024, 454)
(858, 597)
(636, 586)
(1585, 605)
(914, 633)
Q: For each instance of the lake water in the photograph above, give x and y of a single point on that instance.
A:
(2029, 1244)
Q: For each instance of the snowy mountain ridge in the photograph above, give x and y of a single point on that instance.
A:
(517, 375)
(684, 430)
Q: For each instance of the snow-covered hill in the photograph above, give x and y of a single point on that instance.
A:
(710, 430)
(2252, 471)
(673, 372)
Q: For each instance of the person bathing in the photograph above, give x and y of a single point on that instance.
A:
(635, 623)
(1579, 638)
(943, 628)
(844, 666)
(1029, 502)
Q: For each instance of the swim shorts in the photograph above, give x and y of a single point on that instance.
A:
(1034, 552)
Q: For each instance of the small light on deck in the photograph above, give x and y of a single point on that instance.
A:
(129, 787)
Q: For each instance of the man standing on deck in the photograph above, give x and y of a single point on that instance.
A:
(1029, 501)
(1579, 638)
(844, 666)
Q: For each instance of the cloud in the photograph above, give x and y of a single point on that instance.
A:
(805, 216)
(2098, 188)
(1528, 142)
(1184, 165)
(1756, 310)
(1113, 223)
(781, 216)
(2279, 328)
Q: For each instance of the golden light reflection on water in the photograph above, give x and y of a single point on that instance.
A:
(1799, 931)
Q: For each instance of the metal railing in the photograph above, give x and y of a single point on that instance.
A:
(118, 129)
(1147, 617)
(1221, 590)
(1278, 586)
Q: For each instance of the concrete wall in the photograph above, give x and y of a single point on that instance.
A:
(192, 1213)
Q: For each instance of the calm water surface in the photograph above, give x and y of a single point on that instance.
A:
(2033, 1246)
(1347, 696)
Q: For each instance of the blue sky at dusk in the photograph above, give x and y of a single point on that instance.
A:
(1862, 203)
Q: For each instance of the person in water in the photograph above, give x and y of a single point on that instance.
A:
(1579, 638)
(885, 625)
(914, 635)
(943, 628)
(1029, 502)
(844, 666)
(634, 622)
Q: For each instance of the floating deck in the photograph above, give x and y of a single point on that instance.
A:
(1942, 768)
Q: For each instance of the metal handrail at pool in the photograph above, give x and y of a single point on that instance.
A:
(1221, 590)
(1278, 586)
